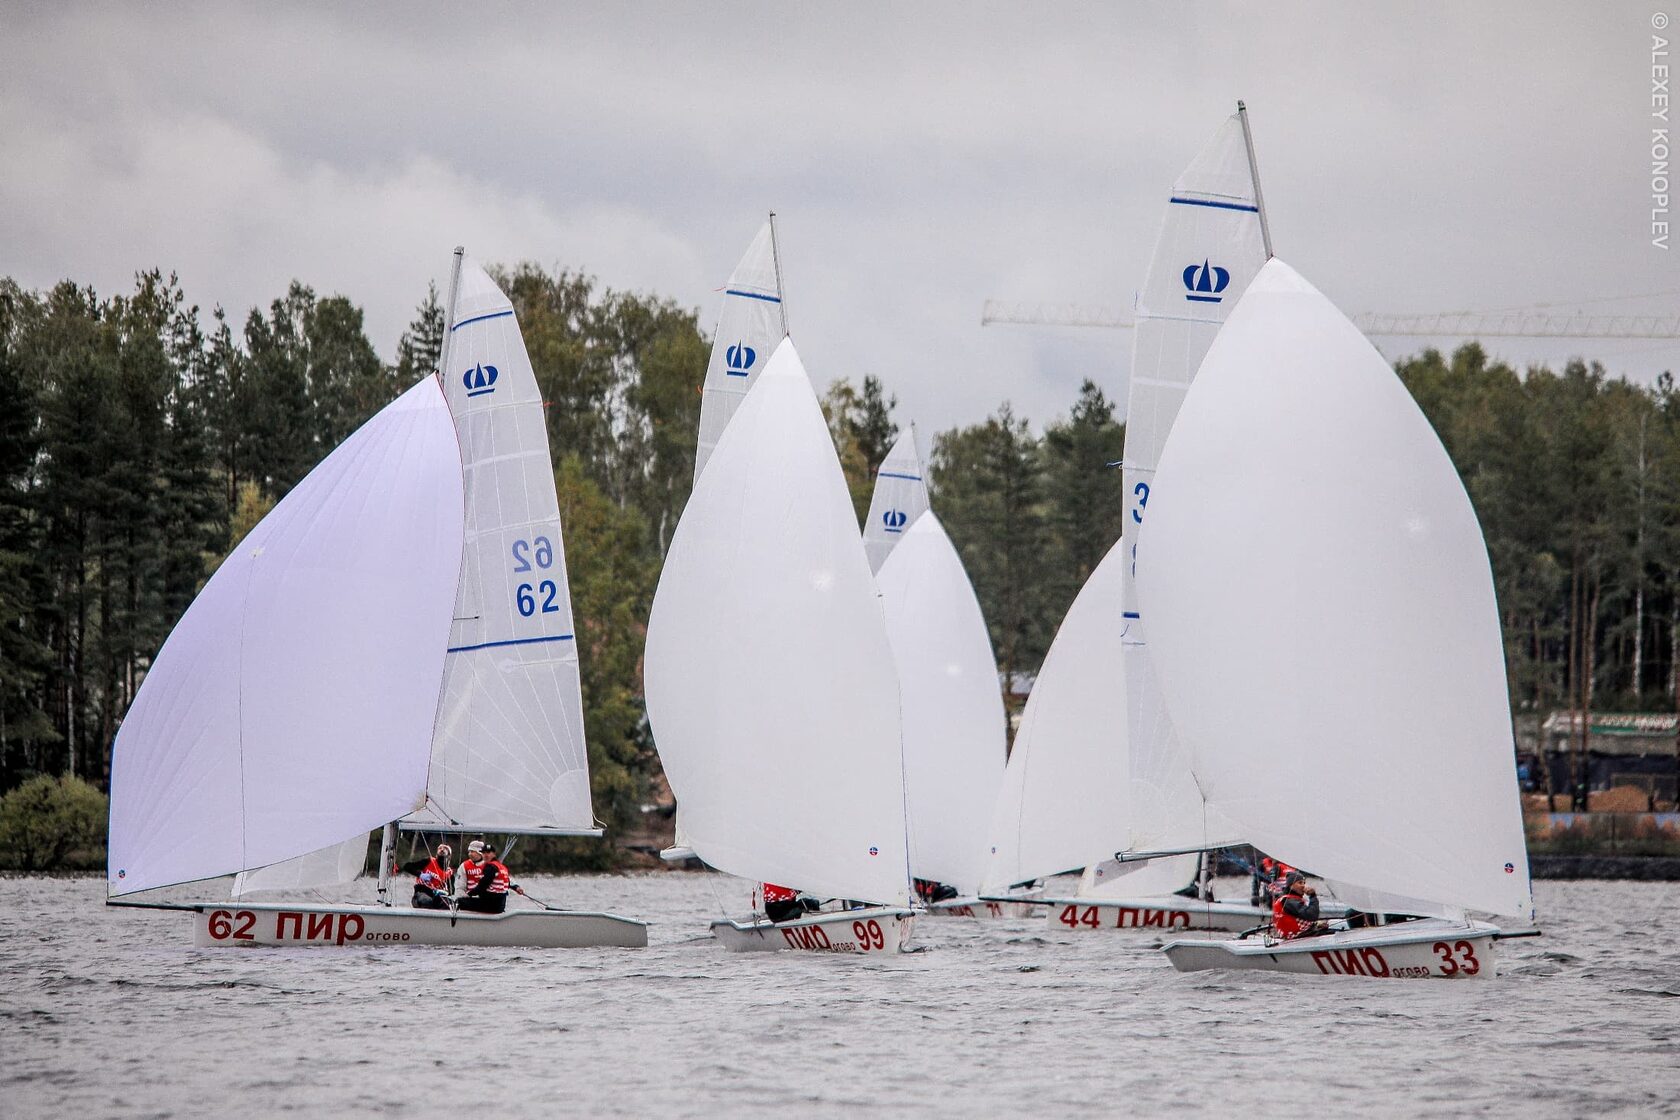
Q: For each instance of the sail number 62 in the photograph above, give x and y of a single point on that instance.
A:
(541, 551)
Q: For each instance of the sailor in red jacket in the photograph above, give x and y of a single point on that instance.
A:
(1295, 913)
(431, 885)
(488, 890)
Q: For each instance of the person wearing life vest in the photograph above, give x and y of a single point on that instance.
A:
(781, 903)
(488, 894)
(930, 891)
(432, 883)
(471, 869)
(1295, 913)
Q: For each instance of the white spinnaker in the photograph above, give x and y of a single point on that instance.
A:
(1326, 632)
(290, 707)
(770, 681)
(749, 327)
(508, 754)
(900, 497)
(1211, 246)
(1064, 798)
(950, 702)
(323, 867)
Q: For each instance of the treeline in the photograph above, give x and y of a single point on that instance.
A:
(140, 437)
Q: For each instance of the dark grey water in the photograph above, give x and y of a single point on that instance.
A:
(109, 1012)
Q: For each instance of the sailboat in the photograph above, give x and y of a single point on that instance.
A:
(770, 680)
(752, 321)
(1324, 631)
(952, 713)
(1095, 768)
(392, 643)
(953, 718)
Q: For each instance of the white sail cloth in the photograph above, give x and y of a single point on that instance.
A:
(1210, 248)
(770, 681)
(1323, 615)
(952, 708)
(284, 711)
(1065, 796)
(900, 497)
(1094, 768)
(324, 867)
(508, 754)
(749, 327)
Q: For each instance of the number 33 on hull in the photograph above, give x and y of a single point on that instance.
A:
(1421, 950)
(879, 929)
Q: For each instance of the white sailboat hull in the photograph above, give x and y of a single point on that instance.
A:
(268, 924)
(1432, 948)
(979, 908)
(876, 930)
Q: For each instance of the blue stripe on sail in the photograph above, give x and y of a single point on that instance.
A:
(1130, 614)
(1204, 299)
(1215, 205)
(908, 477)
(480, 319)
(752, 295)
(511, 642)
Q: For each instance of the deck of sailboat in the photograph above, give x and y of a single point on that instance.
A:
(875, 929)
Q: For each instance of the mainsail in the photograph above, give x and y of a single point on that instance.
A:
(1323, 617)
(770, 682)
(508, 751)
(952, 708)
(1094, 768)
(750, 325)
(290, 707)
(1212, 244)
(900, 497)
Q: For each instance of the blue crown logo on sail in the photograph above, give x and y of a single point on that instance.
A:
(480, 379)
(739, 359)
(1204, 282)
(894, 520)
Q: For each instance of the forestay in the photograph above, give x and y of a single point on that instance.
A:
(1323, 614)
(770, 682)
(750, 325)
(1212, 244)
(951, 706)
(508, 754)
(900, 497)
(290, 706)
(1065, 797)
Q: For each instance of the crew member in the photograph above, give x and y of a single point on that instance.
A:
(469, 873)
(930, 892)
(782, 904)
(489, 894)
(1295, 913)
(432, 884)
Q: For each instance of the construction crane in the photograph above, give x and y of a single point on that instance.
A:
(1476, 324)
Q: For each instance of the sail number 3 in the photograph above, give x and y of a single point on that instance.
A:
(531, 555)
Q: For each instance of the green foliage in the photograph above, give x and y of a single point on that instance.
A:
(862, 426)
(989, 490)
(612, 582)
(51, 823)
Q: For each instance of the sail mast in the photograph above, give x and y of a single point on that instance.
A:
(1254, 174)
(776, 259)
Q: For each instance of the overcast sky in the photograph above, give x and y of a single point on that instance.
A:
(922, 158)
